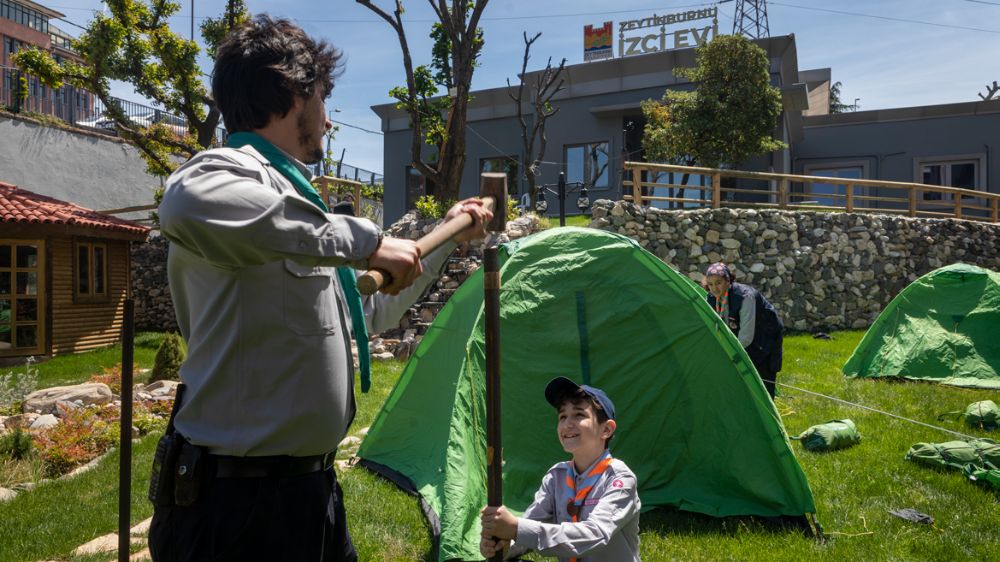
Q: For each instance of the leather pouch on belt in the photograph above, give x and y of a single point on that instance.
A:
(188, 474)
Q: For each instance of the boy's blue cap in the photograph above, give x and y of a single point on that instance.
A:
(560, 385)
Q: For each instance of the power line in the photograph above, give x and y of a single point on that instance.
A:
(356, 127)
(886, 18)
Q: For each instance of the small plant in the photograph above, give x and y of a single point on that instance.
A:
(512, 209)
(16, 445)
(15, 386)
(83, 435)
(169, 358)
(429, 208)
(112, 376)
(22, 93)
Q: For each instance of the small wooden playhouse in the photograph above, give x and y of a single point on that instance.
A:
(64, 275)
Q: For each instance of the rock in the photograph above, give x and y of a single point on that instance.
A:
(6, 494)
(386, 356)
(44, 421)
(44, 401)
(757, 268)
(730, 244)
(162, 388)
(350, 442)
(712, 237)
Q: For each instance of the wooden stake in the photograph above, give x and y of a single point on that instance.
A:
(494, 445)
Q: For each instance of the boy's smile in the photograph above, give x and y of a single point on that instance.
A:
(579, 431)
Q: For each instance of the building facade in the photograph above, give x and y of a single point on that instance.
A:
(599, 126)
(25, 24)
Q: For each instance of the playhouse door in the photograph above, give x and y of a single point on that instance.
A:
(22, 297)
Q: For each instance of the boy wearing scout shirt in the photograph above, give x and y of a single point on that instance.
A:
(587, 509)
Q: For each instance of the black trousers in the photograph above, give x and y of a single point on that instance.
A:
(274, 518)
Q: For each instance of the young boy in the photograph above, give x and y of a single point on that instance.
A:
(587, 509)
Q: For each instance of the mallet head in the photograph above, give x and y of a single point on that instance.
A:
(494, 184)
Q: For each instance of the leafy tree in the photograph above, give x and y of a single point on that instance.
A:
(134, 43)
(546, 85)
(729, 117)
(837, 106)
(436, 120)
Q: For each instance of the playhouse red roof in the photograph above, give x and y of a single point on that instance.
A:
(26, 207)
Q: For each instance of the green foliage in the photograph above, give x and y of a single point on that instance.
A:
(169, 358)
(836, 105)
(430, 208)
(133, 43)
(731, 115)
(14, 386)
(82, 435)
(16, 445)
(512, 211)
(22, 92)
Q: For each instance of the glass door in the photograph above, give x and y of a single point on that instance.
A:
(22, 297)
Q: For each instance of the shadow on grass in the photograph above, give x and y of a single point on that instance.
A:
(673, 522)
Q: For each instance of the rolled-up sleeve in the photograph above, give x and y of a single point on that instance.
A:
(220, 210)
(615, 508)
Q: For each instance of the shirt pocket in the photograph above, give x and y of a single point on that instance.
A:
(310, 299)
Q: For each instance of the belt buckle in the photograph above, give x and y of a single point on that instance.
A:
(327, 460)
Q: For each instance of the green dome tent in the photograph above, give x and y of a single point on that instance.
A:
(695, 422)
(944, 327)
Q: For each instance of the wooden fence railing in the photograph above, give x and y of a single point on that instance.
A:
(817, 193)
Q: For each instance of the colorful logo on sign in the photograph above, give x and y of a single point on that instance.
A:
(597, 42)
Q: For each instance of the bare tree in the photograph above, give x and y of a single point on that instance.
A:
(545, 86)
(463, 38)
(990, 91)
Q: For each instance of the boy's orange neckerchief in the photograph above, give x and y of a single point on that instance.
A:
(591, 478)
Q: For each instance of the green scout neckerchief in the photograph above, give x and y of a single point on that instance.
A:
(348, 281)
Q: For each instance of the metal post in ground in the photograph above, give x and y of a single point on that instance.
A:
(562, 199)
(125, 439)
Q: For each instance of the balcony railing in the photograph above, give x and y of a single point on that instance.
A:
(815, 193)
(83, 109)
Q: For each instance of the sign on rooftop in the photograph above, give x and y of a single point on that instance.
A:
(676, 31)
(597, 42)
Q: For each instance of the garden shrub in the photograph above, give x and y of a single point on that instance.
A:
(81, 436)
(16, 445)
(169, 358)
(14, 386)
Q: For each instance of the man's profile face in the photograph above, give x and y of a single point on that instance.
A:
(312, 125)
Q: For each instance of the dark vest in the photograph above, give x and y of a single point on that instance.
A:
(768, 329)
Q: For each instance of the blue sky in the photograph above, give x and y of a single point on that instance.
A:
(883, 62)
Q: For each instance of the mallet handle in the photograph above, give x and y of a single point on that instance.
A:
(374, 279)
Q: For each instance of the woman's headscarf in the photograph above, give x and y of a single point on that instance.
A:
(721, 270)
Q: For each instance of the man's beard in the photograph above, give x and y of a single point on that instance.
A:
(307, 141)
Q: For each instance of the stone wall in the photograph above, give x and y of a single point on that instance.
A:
(154, 309)
(822, 271)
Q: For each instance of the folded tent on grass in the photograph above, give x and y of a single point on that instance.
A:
(944, 327)
(694, 421)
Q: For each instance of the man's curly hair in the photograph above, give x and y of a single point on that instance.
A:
(263, 65)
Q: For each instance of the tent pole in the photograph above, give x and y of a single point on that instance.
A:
(494, 451)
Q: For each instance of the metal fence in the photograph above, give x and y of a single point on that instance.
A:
(348, 172)
(83, 109)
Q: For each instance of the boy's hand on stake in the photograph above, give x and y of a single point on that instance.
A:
(490, 547)
(498, 522)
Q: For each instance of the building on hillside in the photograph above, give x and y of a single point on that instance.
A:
(599, 126)
(64, 275)
(25, 24)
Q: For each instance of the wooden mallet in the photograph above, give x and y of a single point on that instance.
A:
(493, 191)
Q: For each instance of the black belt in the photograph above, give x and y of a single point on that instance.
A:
(262, 467)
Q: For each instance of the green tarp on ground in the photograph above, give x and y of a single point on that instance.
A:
(695, 422)
(944, 327)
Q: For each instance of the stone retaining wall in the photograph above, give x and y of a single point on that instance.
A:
(822, 271)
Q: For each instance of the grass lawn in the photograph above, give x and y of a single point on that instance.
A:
(854, 488)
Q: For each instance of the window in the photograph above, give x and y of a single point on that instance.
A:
(22, 297)
(91, 272)
(24, 16)
(506, 165)
(588, 163)
(816, 191)
(959, 172)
